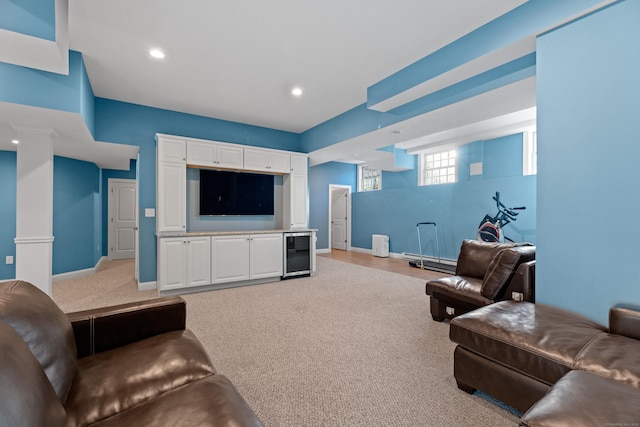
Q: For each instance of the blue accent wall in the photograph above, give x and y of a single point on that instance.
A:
(131, 124)
(588, 203)
(71, 93)
(8, 181)
(77, 208)
(320, 177)
(36, 18)
(457, 209)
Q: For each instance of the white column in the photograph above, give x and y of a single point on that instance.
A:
(34, 207)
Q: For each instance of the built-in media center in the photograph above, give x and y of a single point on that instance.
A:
(230, 185)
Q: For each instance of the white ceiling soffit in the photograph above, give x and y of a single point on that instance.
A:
(438, 126)
(71, 138)
(34, 52)
(460, 73)
(492, 128)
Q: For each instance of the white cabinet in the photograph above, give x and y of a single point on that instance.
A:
(299, 164)
(229, 258)
(267, 160)
(266, 255)
(172, 150)
(246, 257)
(184, 262)
(295, 205)
(171, 197)
(200, 153)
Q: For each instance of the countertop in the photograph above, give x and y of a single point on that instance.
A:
(231, 232)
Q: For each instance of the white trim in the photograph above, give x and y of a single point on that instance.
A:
(323, 251)
(28, 240)
(147, 286)
(78, 273)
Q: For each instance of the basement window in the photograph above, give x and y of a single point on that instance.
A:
(438, 167)
(369, 179)
(530, 152)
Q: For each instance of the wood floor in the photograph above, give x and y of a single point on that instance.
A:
(395, 265)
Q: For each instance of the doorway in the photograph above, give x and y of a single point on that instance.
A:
(339, 217)
(122, 218)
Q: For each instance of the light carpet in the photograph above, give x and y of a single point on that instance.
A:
(351, 346)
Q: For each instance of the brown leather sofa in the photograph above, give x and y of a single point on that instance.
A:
(126, 365)
(485, 273)
(562, 368)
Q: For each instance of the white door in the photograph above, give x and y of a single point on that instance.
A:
(339, 218)
(122, 218)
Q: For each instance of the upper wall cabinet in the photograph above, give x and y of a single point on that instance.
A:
(267, 160)
(172, 150)
(214, 155)
(299, 163)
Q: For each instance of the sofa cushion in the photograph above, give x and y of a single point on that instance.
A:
(44, 328)
(113, 381)
(209, 402)
(27, 396)
(612, 356)
(475, 256)
(537, 340)
(581, 399)
(503, 267)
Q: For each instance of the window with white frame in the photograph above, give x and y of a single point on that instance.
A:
(369, 179)
(438, 167)
(530, 152)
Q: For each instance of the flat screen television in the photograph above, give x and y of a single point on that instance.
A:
(235, 193)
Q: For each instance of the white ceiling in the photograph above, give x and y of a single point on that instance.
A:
(238, 60)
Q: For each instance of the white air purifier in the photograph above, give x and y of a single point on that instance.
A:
(380, 245)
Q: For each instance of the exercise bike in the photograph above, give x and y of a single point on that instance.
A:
(490, 229)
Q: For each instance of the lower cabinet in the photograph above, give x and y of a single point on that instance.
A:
(184, 262)
(245, 257)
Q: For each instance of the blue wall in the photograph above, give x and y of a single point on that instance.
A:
(8, 183)
(320, 177)
(76, 215)
(132, 124)
(457, 208)
(71, 93)
(36, 18)
(588, 151)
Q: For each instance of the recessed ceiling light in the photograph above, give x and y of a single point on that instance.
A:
(396, 132)
(296, 91)
(156, 53)
(15, 141)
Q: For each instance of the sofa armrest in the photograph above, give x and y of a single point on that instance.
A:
(106, 328)
(624, 319)
(523, 282)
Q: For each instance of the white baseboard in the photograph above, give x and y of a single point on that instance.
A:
(147, 286)
(369, 251)
(323, 251)
(78, 273)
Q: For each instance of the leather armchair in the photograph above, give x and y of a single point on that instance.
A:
(125, 365)
(485, 273)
